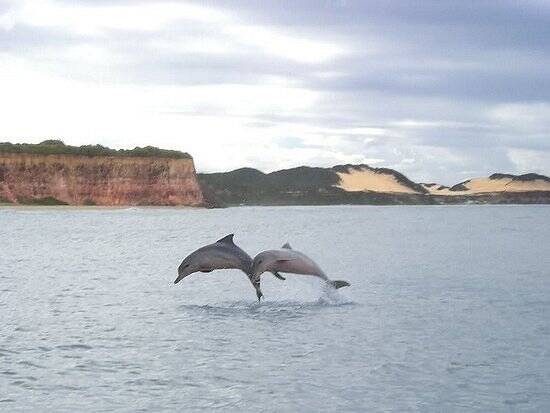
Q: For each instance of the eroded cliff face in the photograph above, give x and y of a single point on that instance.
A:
(99, 180)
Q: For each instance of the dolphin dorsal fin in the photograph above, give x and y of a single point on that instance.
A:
(228, 239)
(287, 246)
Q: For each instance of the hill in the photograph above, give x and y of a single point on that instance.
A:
(362, 184)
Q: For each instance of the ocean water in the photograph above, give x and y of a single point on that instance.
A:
(449, 310)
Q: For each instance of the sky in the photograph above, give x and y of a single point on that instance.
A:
(439, 90)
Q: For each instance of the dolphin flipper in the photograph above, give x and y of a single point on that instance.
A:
(279, 276)
(339, 283)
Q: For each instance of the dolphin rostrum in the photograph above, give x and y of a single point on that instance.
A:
(290, 261)
(222, 254)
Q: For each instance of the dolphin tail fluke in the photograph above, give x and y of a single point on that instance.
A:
(256, 283)
(339, 283)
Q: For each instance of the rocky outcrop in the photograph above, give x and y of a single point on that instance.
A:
(98, 180)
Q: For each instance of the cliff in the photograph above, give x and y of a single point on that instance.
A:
(362, 184)
(73, 179)
(53, 173)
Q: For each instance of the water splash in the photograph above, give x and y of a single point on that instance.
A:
(332, 296)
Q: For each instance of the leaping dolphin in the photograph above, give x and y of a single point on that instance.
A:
(222, 254)
(290, 261)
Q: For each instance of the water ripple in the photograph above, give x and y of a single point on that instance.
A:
(447, 311)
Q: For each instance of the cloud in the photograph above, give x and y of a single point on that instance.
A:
(530, 160)
(437, 89)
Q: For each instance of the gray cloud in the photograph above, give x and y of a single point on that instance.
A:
(429, 74)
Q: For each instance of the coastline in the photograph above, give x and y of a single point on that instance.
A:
(92, 208)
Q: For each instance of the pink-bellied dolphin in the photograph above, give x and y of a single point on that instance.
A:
(290, 261)
(222, 254)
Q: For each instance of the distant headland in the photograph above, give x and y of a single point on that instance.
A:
(52, 173)
(362, 184)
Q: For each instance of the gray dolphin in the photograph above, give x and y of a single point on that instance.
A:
(222, 254)
(291, 261)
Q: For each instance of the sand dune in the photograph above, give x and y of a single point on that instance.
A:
(489, 185)
(366, 179)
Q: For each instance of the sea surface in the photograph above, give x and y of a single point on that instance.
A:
(449, 310)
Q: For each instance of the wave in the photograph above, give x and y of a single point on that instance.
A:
(274, 308)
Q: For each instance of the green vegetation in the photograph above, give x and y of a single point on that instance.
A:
(459, 187)
(47, 201)
(501, 176)
(522, 178)
(4, 201)
(57, 147)
(531, 177)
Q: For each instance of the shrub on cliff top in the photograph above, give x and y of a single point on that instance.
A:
(52, 142)
(57, 147)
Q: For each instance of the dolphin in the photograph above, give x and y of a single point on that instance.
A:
(222, 254)
(290, 261)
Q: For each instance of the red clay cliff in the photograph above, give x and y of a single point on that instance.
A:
(99, 180)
